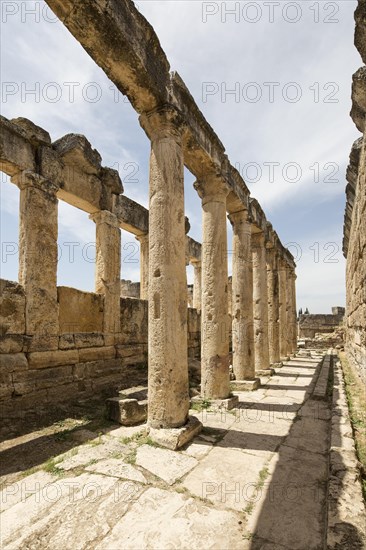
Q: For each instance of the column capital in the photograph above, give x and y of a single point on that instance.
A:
(162, 122)
(27, 178)
(213, 188)
(241, 216)
(105, 216)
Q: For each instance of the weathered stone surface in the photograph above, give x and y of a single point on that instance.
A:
(166, 464)
(94, 354)
(46, 359)
(11, 343)
(13, 362)
(126, 411)
(174, 438)
(215, 318)
(79, 312)
(12, 308)
(174, 520)
(114, 467)
(260, 303)
(16, 151)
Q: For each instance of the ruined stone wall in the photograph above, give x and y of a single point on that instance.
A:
(354, 241)
(309, 325)
(82, 360)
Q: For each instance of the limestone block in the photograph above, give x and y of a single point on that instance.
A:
(13, 362)
(93, 354)
(11, 343)
(131, 216)
(66, 341)
(16, 152)
(111, 179)
(164, 463)
(87, 340)
(12, 308)
(95, 369)
(126, 411)
(134, 321)
(45, 359)
(33, 380)
(81, 190)
(360, 31)
(35, 134)
(75, 150)
(79, 312)
(41, 343)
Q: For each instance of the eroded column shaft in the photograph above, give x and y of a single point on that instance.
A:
(108, 268)
(215, 320)
(273, 307)
(197, 285)
(168, 395)
(283, 309)
(38, 227)
(260, 304)
(144, 266)
(242, 298)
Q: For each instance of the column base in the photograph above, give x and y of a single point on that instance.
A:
(277, 365)
(265, 372)
(218, 404)
(245, 385)
(174, 438)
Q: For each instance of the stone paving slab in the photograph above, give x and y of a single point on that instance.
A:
(161, 520)
(114, 467)
(227, 477)
(168, 465)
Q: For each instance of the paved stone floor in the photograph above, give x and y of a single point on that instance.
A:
(255, 478)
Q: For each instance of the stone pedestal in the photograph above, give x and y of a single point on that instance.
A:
(168, 393)
(215, 376)
(197, 285)
(260, 304)
(242, 300)
(108, 268)
(38, 253)
(144, 266)
(273, 307)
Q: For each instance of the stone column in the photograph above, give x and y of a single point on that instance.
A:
(144, 266)
(215, 375)
(197, 284)
(108, 268)
(38, 229)
(289, 315)
(242, 304)
(168, 387)
(273, 307)
(260, 304)
(283, 309)
(294, 312)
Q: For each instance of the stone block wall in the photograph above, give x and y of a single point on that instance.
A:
(356, 271)
(354, 239)
(81, 360)
(309, 325)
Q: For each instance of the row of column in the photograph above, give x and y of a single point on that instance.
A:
(263, 309)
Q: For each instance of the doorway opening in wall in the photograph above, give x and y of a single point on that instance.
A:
(76, 248)
(9, 229)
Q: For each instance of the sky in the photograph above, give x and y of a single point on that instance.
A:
(272, 78)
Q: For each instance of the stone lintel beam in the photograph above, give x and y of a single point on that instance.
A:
(352, 178)
(358, 111)
(17, 152)
(116, 35)
(132, 217)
